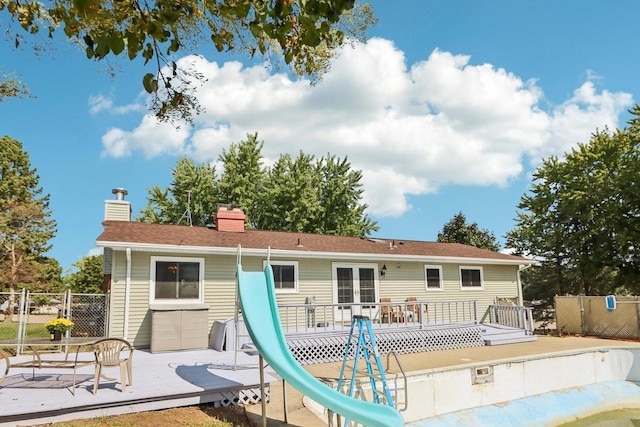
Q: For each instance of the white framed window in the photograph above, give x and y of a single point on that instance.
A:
(471, 278)
(285, 276)
(433, 277)
(176, 280)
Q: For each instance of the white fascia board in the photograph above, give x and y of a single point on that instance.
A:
(348, 256)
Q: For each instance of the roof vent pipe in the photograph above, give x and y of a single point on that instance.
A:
(120, 193)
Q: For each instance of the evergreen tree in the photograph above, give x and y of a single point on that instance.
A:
(194, 186)
(25, 227)
(243, 178)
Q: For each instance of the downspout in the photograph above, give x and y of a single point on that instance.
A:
(520, 296)
(127, 293)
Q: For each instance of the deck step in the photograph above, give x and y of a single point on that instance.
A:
(498, 335)
(509, 340)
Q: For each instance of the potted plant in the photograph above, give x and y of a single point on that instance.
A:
(57, 327)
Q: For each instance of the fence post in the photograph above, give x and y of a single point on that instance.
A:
(637, 316)
(582, 325)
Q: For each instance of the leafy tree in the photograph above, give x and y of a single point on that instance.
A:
(25, 227)
(582, 216)
(341, 192)
(292, 200)
(458, 231)
(243, 177)
(318, 196)
(304, 34)
(49, 277)
(193, 186)
(88, 276)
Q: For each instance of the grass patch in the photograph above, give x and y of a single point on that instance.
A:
(9, 331)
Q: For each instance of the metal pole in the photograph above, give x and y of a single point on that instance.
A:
(263, 404)
(284, 400)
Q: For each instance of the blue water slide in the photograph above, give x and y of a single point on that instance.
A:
(260, 311)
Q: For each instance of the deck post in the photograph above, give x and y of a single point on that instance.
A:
(475, 310)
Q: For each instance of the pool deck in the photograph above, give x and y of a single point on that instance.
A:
(167, 380)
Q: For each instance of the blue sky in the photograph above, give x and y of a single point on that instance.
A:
(449, 107)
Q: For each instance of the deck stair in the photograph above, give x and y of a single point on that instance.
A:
(496, 334)
(367, 349)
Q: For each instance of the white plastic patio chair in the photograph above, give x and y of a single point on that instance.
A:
(112, 352)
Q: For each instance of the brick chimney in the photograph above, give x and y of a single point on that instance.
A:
(230, 218)
(118, 209)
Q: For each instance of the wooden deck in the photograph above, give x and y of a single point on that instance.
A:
(160, 380)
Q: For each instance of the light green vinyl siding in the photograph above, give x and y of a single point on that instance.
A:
(402, 280)
(407, 279)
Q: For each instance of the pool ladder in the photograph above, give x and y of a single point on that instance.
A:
(367, 349)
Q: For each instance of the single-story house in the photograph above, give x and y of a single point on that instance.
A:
(170, 270)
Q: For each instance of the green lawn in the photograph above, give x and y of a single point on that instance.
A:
(9, 331)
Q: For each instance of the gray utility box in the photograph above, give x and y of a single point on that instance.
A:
(179, 327)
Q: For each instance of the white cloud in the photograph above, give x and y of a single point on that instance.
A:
(578, 117)
(151, 137)
(99, 103)
(95, 251)
(409, 129)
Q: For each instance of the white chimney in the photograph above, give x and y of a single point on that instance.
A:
(118, 209)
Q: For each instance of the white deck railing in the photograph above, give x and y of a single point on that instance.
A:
(309, 318)
(515, 316)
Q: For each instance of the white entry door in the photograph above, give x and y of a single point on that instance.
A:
(354, 285)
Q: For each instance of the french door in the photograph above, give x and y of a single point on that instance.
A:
(353, 286)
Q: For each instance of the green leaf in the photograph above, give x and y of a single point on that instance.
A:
(147, 53)
(175, 45)
(88, 40)
(218, 41)
(150, 83)
(133, 45)
(288, 56)
(102, 49)
(116, 44)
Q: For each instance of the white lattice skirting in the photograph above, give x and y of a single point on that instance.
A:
(310, 349)
(242, 397)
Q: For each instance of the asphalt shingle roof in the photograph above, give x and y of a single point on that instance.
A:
(138, 233)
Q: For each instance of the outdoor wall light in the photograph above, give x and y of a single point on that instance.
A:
(383, 272)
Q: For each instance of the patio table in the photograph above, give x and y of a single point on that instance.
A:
(36, 345)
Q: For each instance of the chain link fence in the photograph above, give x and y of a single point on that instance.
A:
(31, 311)
(589, 315)
(89, 315)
